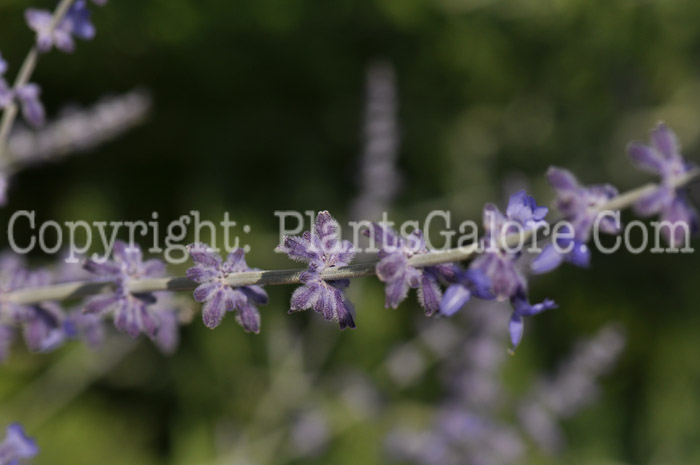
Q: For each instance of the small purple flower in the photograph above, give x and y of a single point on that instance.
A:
(322, 249)
(44, 325)
(523, 308)
(497, 264)
(470, 282)
(3, 66)
(581, 207)
(16, 445)
(219, 297)
(75, 23)
(132, 313)
(393, 269)
(663, 157)
(32, 108)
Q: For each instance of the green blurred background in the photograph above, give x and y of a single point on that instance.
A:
(258, 107)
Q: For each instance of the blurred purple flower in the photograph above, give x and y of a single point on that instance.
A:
(32, 108)
(393, 268)
(45, 326)
(663, 157)
(580, 207)
(16, 445)
(322, 249)
(218, 297)
(132, 313)
(75, 23)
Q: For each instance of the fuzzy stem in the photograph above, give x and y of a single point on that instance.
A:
(25, 73)
(273, 277)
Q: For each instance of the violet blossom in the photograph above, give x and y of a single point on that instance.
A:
(211, 272)
(76, 23)
(663, 157)
(497, 263)
(494, 273)
(132, 313)
(16, 445)
(580, 206)
(394, 270)
(322, 249)
(44, 326)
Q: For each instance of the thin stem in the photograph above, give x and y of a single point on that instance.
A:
(25, 73)
(274, 277)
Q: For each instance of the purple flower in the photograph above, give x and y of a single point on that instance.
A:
(470, 282)
(580, 206)
(32, 108)
(219, 297)
(16, 445)
(75, 23)
(394, 270)
(663, 157)
(322, 249)
(132, 313)
(523, 308)
(3, 66)
(45, 326)
(497, 264)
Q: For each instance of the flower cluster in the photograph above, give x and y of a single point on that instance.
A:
(399, 276)
(495, 273)
(133, 313)
(322, 249)
(218, 296)
(580, 207)
(663, 157)
(76, 23)
(45, 326)
(16, 446)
